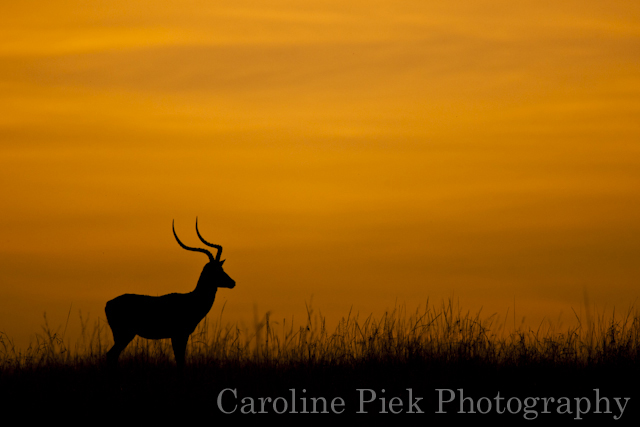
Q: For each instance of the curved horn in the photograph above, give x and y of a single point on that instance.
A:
(204, 251)
(218, 247)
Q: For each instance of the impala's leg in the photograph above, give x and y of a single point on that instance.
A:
(179, 344)
(121, 341)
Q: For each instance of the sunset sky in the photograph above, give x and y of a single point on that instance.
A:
(361, 154)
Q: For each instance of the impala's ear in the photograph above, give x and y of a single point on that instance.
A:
(222, 262)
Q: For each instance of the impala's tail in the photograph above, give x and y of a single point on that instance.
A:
(108, 310)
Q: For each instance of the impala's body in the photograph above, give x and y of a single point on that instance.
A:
(172, 316)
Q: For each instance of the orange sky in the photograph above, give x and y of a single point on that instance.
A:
(361, 154)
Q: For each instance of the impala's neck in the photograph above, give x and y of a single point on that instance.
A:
(205, 289)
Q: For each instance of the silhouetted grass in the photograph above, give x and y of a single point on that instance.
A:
(433, 348)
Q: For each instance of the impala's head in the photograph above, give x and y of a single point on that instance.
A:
(212, 272)
(216, 276)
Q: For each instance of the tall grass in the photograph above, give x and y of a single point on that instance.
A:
(432, 334)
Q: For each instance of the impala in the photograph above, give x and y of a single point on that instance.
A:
(172, 316)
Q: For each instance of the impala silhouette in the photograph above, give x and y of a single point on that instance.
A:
(172, 316)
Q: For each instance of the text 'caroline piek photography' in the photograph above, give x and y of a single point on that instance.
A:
(448, 401)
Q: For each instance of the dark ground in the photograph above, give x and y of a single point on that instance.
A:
(159, 390)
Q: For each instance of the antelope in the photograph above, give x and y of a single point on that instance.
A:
(172, 316)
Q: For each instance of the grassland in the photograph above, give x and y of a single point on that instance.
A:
(434, 355)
